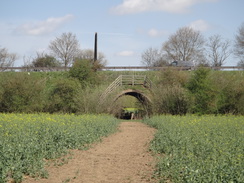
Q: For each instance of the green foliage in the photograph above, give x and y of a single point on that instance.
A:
(199, 80)
(83, 71)
(46, 61)
(202, 92)
(48, 92)
(62, 96)
(88, 100)
(170, 100)
(169, 95)
(21, 92)
(26, 141)
(174, 92)
(199, 148)
(230, 92)
(171, 77)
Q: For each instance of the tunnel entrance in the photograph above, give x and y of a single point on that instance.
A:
(124, 111)
(131, 113)
(133, 104)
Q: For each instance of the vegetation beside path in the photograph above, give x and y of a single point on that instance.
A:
(199, 148)
(193, 148)
(27, 140)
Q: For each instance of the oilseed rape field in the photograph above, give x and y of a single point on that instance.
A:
(199, 148)
(28, 140)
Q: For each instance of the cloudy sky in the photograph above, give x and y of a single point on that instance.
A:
(125, 28)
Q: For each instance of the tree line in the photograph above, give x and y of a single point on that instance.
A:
(186, 44)
(189, 45)
(63, 51)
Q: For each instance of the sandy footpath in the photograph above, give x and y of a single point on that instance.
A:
(122, 157)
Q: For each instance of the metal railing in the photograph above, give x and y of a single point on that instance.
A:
(117, 68)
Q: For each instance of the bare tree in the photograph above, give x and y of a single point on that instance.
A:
(240, 63)
(88, 54)
(152, 57)
(6, 59)
(65, 48)
(218, 50)
(239, 45)
(186, 44)
(27, 61)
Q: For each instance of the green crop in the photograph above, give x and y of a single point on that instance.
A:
(27, 140)
(199, 148)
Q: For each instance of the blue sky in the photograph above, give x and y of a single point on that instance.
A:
(125, 28)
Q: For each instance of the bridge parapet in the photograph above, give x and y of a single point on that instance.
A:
(123, 80)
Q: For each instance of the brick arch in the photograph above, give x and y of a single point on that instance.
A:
(141, 97)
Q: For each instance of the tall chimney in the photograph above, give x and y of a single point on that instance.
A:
(95, 48)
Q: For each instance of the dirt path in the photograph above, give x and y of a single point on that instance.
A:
(122, 157)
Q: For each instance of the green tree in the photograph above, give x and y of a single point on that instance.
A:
(62, 96)
(88, 54)
(83, 71)
(22, 93)
(202, 92)
(45, 60)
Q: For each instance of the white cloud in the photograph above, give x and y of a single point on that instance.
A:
(172, 6)
(125, 53)
(200, 25)
(43, 27)
(156, 33)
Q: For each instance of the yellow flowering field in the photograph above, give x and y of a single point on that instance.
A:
(27, 140)
(199, 148)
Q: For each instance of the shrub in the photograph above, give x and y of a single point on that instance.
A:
(44, 60)
(230, 92)
(88, 100)
(173, 77)
(202, 92)
(83, 71)
(62, 96)
(22, 92)
(170, 100)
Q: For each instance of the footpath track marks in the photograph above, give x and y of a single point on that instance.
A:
(122, 157)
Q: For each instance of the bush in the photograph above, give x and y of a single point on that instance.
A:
(173, 77)
(170, 100)
(88, 100)
(44, 60)
(202, 92)
(230, 92)
(83, 71)
(22, 92)
(62, 96)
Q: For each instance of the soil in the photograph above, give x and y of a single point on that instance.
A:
(122, 157)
